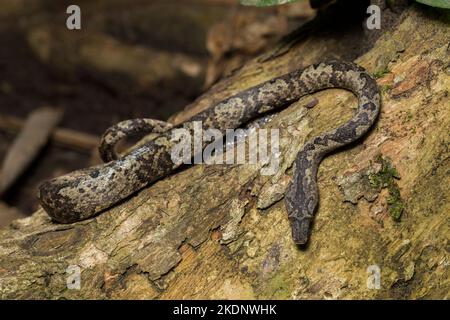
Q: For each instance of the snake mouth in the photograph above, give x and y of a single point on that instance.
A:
(300, 231)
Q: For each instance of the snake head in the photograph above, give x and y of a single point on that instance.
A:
(300, 206)
(300, 230)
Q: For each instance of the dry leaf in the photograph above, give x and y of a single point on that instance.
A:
(28, 143)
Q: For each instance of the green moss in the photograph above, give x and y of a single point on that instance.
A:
(395, 203)
(380, 73)
(278, 287)
(386, 178)
(409, 115)
(385, 88)
(383, 178)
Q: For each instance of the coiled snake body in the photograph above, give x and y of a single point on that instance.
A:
(84, 193)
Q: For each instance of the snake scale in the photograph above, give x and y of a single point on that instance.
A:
(84, 193)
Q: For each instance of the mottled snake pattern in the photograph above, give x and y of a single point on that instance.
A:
(84, 193)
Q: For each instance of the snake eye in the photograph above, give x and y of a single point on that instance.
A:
(311, 204)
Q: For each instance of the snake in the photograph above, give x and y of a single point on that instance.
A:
(88, 192)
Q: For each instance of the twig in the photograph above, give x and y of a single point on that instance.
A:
(64, 137)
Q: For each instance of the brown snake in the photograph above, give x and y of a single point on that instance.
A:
(84, 193)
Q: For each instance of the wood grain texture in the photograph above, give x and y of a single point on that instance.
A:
(184, 237)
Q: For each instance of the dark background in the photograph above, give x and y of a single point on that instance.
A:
(102, 73)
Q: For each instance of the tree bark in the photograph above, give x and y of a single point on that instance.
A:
(218, 231)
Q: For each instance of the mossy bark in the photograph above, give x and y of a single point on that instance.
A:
(222, 231)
